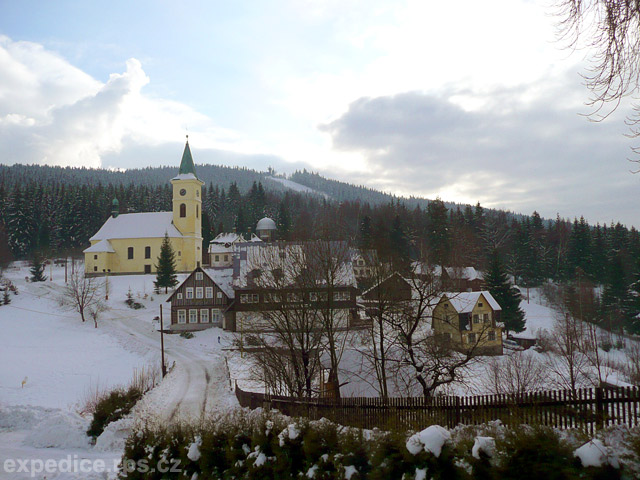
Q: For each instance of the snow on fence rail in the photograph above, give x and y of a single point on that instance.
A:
(589, 409)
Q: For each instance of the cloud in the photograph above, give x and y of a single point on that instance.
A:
(525, 148)
(53, 113)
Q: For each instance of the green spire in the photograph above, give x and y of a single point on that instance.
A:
(186, 165)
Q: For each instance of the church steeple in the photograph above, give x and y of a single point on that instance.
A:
(186, 165)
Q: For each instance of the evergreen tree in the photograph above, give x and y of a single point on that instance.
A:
(615, 295)
(166, 267)
(632, 307)
(6, 299)
(505, 294)
(399, 244)
(438, 235)
(37, 268)
(365, 237)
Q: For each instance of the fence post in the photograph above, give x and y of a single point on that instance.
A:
(599, 409)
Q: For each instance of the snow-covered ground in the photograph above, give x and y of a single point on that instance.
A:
(297, 187)
(50, 361)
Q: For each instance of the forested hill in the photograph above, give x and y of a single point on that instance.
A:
(56, 210)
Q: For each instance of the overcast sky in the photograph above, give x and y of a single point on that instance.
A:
(470, 101)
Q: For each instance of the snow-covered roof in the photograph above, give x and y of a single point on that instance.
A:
(138, 225)
(223, 277)
(185, 176)
(100, 247)
(464, 273)
(228, 238)
(464, 302)
(266, 224)
(291, 260)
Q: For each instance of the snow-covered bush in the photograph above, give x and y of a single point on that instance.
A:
(265, 445)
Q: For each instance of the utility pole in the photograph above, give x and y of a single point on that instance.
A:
(164, 367)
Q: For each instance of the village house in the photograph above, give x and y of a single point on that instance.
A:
(469, 320)
(201, 302)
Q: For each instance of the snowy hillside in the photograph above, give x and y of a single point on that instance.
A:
(62, 360)
(296, 187)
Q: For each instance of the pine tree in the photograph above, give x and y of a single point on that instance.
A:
(37, 268)
(366, 236)
(166, 267)
(505, 294)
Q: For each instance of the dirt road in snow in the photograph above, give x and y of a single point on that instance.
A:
(198, 382)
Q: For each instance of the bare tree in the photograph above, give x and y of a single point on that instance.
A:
(612, 31)
(516, 373)
(566, 359)
(83, 294)
(303, 287)
(381, 306)
(423, 358)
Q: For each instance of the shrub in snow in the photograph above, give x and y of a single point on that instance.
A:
(431, 440)
(111, 407)
(535, 454)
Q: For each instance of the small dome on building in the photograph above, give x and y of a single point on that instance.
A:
(266, 224)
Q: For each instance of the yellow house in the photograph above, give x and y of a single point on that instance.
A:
(471, 320)
(130, 243)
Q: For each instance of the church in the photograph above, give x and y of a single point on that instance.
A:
(130, 243)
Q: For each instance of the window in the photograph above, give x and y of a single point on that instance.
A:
(179, 296)
(492, 336)
(216, 316)
(471, 338)
(182, 316)
(95, 257)
(189, 292)
(193, 316)
(147, 269)
(130, 253)
(198, 275)
(204, 315)
(147, 252)
(197, 211)
(293, 297)
(480, 304)
(271, 297)
(95, 269)
(341, 296)
(179, 253)
(183, 210)
(486, 318)
(244, 298)
(199, 292)
(313, 296)
(226, 258)
(476, 318)
(208, 292)
(217, 258)
(219, 295)
(255, 298)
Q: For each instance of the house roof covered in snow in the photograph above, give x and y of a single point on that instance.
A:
(138, 225)
(464, 302)
(100, 247)
(228, 238)
(282, 264)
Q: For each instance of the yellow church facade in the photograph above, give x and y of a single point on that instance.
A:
(130, 243)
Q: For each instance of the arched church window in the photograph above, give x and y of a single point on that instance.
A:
(183, 210)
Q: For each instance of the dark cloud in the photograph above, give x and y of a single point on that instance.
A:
(515, 154)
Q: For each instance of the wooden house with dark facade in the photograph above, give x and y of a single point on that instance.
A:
(199, 303)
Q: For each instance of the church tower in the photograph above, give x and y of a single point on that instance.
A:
(187, 207)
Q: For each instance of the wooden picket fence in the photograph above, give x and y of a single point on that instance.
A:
(587, 409)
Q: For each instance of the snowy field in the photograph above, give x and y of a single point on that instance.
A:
(51, 361)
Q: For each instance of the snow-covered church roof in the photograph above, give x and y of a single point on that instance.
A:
(100, 247)
(138, 225)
